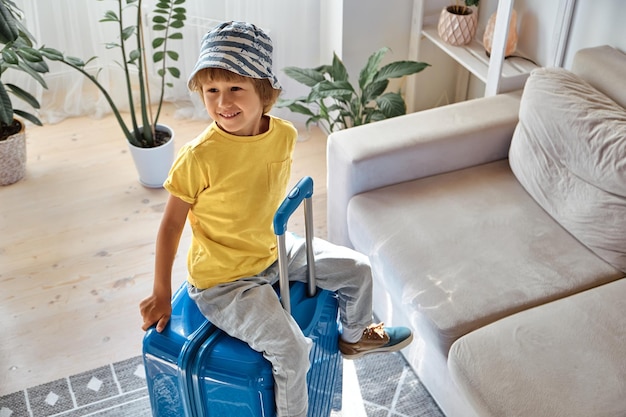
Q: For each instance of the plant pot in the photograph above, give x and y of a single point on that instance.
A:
(457, 25)
(153, 164)
(13, 157)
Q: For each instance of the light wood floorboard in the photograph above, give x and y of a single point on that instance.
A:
(77, 247)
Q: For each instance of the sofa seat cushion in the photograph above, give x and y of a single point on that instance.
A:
(569, 152)
(463, 249)
(562, 359)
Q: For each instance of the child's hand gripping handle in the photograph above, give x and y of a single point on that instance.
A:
(303, 191)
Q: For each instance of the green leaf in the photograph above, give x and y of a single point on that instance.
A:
(9, 56)
(134, 55)
(34, 74)
(368, 72)
(77, 62)
(158, 42)
(30, 54)
(159, 19)
(110, 16)
(334, 89)
(399, 69)
(176, 35)
(8, 26)
(306, 76)
(6, 109)
(174, 72)
(159, 28)
(128, 32)
(51, 54)
(23, 95)
(391, 104)
(28, 117)
(299, 108)
(373, 90)
(173, 55)
(177, 24)
(286, 102)
(338, 71)
(158, 56)
(40, 66)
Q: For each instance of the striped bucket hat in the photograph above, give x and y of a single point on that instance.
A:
(238, 47)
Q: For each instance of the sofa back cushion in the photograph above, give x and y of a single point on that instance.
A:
(569, 153)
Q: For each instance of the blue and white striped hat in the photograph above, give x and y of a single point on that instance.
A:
(238, 47)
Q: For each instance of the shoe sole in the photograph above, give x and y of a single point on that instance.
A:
(382, 349)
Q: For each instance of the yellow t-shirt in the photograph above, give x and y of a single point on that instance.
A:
(234, 185)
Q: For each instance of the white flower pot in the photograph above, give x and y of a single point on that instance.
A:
(13, 158)
(153, 164)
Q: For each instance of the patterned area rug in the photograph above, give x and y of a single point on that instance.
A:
(373, 386)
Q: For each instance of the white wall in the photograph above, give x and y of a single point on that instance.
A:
(369, 24)
(364, 26)
(597, 22)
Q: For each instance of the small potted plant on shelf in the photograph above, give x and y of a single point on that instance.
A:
(458, 22)
(18, 54)
(334, 104)
(151, 143)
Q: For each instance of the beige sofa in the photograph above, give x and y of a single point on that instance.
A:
(496, 229)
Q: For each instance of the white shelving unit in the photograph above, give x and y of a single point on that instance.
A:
(498, 74)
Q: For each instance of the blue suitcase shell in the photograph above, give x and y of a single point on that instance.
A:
(195, 369)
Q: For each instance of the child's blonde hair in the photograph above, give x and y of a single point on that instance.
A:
(263, 87)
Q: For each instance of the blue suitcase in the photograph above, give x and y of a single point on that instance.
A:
(194, 369)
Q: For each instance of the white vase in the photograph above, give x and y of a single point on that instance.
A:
(153, 164)
(13, 157)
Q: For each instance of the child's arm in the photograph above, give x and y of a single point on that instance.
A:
(157, 307)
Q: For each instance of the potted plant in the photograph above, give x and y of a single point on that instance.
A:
(19, 54)
(457, 23)
(334, 104)
(145, 136)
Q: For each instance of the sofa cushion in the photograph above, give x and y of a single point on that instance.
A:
(569, 153)
(460, 250)
(562, 359)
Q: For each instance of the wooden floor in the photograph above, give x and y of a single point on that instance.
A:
(77, 247)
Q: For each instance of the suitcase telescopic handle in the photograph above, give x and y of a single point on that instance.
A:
(302, 191)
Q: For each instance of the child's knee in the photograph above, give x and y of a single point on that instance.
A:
(295, 354)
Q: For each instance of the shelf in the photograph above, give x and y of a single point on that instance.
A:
(473, 57)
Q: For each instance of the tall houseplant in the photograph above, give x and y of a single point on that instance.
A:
(19, 53)
(143, 129)
(334, 103)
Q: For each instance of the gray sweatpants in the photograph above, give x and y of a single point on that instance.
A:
(248, 309)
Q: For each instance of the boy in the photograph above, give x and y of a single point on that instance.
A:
(228, 182)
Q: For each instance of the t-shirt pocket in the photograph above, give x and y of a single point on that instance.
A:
(278, 177)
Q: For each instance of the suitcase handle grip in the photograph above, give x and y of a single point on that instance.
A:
(303, 189)
(301, 192)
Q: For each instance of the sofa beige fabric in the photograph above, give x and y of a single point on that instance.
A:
(463, 254)
(483, 254)
(562, 359)
(568, 152)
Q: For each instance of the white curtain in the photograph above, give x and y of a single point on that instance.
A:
(73, 27)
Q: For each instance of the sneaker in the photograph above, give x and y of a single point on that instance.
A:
(377, 338)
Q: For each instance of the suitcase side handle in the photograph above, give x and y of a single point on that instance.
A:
(301, 192)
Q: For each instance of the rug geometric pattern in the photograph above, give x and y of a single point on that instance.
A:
(388, 388)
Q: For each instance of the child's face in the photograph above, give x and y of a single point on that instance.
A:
(234, 105)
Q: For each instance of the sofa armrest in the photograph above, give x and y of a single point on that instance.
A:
(414, 146)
